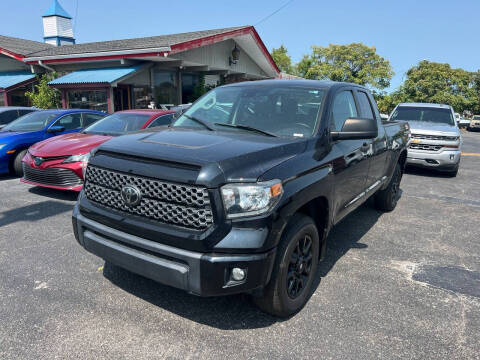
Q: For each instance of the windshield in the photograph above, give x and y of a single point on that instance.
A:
(264, 110)
(428, 114)
(118, 124)
(476, 117)
(35, 121)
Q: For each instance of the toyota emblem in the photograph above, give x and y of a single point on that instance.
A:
(38, 161)
(131, 196)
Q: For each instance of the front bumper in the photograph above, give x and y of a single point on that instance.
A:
(474, 125)
(53, 174)
(443, 160)
(203, 274)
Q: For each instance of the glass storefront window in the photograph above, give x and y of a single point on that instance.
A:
(88, 99)
(142, 97)
(165, 87)
(18, 98)
(2, 99)
(189, 91)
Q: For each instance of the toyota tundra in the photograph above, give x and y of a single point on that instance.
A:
(239, 193)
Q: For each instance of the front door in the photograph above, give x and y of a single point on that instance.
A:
(351, 170)
(121, 96)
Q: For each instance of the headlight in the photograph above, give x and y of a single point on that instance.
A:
(251, 199)
(77, 158)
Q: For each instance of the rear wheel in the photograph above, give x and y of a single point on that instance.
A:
(294, 270)
(386, 200)
(17, 163)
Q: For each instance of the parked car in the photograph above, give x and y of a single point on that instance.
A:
(10, 113)
(239, 193)
(59, 162)
(474, 123)
(436, 140)
(19, 135)
(461, 121)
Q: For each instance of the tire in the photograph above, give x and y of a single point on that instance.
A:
(17, 163)
(386, 200)
(454, 172)
(285, 295)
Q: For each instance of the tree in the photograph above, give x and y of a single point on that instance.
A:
(302, 67)
(282, 59)
(432, 82)
(356, 63)
(44, 96)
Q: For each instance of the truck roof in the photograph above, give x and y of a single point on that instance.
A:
(325, 84)
(413, 104)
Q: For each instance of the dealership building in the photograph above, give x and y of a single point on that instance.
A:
(131, 73)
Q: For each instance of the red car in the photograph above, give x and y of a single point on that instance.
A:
(59, 162)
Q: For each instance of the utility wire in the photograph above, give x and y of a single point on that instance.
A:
(273, 13)
(75, 18)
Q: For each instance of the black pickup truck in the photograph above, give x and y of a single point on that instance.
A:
(240, 192)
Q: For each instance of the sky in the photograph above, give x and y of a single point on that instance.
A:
(404, 32)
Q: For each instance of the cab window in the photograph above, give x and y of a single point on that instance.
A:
(343, 108)
(364, 105)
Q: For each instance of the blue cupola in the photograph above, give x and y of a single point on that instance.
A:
(57, 26)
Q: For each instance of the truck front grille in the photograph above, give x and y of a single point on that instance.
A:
(177, 204)
(426, 147)
(434, 137)
(51, 176)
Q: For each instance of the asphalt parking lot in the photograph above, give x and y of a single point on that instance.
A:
(400, 285)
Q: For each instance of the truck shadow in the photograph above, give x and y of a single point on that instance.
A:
(237, 311)
(346, 235)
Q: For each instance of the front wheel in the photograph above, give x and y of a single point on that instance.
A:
(17, 163)
(386, 200)
(294, 270)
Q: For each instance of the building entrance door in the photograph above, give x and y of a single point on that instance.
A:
(121, 96)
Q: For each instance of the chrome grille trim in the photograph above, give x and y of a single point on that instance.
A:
(177, 204)
(434, 137)
(426, 147)
(51, 176)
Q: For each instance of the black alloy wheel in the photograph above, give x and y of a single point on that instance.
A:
(300, 267)
(294, 270)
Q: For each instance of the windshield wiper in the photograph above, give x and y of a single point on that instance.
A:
(249, 128)
(204, 123)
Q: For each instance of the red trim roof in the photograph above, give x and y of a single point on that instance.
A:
(12, 54)
(176, 48)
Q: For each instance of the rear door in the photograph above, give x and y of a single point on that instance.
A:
(377, 153)
(351, 169)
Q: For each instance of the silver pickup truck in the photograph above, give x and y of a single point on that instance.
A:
(435, 137)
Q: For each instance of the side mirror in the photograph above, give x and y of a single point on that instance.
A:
(56, 129)
(356, 128)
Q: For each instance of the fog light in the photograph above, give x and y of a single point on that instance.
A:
(452, 157)
(238, 274)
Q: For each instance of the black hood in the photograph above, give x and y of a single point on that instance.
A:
(239, 156)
